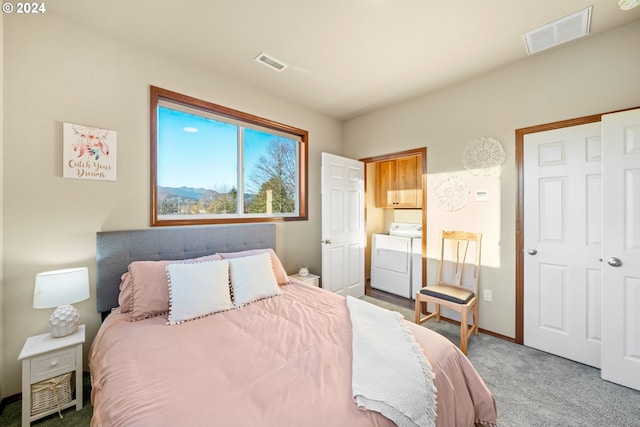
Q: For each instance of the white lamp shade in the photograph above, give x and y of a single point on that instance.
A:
(61, 287)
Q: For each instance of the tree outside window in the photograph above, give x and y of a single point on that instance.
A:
(204, 155)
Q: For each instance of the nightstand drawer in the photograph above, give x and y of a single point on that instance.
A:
(309, 279)
(313, 281)
(53, 364)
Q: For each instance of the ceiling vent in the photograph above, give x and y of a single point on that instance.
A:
(558, 32)
(270, 62)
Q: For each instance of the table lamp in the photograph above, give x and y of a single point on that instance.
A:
(61, 288)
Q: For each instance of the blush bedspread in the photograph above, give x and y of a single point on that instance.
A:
(280, 361)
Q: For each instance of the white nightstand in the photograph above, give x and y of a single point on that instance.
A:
(311, 279)
(44, 357)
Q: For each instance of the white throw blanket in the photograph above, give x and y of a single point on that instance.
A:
(391, 374)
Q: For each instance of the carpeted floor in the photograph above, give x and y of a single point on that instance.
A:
(12, 414)
(531, 388)
(534, 388)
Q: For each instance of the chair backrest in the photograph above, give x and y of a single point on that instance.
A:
(460, 259)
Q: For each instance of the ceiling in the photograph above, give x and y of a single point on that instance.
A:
(345, 57)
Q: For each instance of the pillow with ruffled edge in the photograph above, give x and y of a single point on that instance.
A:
(281, 274)
(144, 292)
(124, 297)
(252, 279)
(198, 290)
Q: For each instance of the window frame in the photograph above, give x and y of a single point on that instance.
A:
(158, 95)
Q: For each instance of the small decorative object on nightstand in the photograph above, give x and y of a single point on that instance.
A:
(61, 288)
(48, 368)
(310, 279)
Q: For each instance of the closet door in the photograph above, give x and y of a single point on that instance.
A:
(621, 248)
(562, 242)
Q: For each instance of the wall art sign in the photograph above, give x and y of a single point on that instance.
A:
(88, 152)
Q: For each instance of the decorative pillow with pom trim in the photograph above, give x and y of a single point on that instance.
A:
(198, 290)
(252, 278)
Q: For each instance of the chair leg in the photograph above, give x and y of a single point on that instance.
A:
(437, 313)
(419, 318)
(464, 320)
(476, 321)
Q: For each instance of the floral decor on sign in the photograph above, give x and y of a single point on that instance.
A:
(452, 193)
(484, 156)
(88, 152)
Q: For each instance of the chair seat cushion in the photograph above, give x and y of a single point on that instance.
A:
(455, 294)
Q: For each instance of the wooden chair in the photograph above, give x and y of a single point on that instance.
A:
(449, 290)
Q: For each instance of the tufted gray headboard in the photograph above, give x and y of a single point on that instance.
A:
(116, 249)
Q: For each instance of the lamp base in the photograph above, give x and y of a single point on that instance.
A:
(64, 321)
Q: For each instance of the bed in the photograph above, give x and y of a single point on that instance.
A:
(280, 360)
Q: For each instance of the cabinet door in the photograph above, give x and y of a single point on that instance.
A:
(408, 185)
(385, 184)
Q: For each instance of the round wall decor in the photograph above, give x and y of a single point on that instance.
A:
(452, 193)
(484, 156)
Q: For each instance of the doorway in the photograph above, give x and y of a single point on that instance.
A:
(370, 197)
(563, 242)
(596, 206)
(520, 226)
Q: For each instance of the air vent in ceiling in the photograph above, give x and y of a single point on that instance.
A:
(270, 62)
(560, 31)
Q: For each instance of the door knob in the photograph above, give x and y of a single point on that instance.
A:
(614, 262)
(532, 251)
(326, 241)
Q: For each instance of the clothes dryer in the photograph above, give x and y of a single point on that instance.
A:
(392, 259)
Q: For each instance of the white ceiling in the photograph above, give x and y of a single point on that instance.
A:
(345, 57)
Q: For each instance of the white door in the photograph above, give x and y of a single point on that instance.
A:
(621, 249)
(562, 242)
(343, 232)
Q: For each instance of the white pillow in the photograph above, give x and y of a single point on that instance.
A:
(196, 290)
(252, 278)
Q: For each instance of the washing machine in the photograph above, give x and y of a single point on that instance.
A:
(416, 266)
(392, 259)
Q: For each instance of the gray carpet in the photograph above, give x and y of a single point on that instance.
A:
(12, 414)
(534, 388)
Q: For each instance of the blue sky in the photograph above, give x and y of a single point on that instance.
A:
(206, 158)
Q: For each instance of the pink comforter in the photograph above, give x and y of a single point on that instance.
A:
(282, 361)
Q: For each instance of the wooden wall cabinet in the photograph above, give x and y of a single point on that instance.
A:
(399, 183)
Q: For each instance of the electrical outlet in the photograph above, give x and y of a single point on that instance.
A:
(488, 295)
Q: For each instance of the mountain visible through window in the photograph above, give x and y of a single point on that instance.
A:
(209, 167)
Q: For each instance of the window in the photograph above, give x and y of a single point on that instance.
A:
(211, 164)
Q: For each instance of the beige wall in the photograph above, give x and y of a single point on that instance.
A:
(58, 71)
(586, 77)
